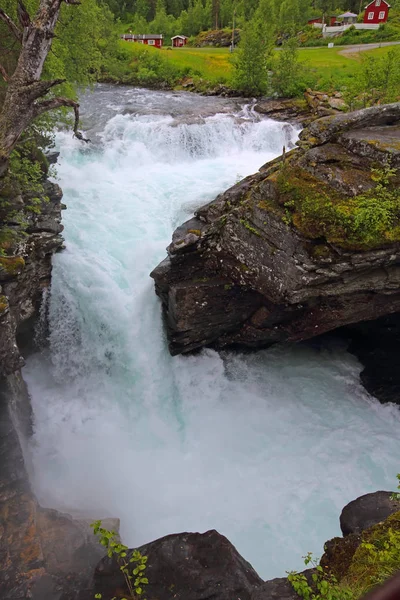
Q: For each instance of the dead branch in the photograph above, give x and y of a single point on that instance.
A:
(54, 103)
(11, 25)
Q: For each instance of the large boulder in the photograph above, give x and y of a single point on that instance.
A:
(252, 268)
(187, 566)
(366, 511)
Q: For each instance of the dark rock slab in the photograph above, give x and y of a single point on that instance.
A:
(366, 511)
(187, 566)
(243, 273)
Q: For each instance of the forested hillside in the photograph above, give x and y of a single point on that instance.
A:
(192, 16)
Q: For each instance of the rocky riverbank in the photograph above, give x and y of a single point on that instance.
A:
(44, 554)
(253, 267)
(193, 566)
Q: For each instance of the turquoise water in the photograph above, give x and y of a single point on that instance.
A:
(266, 448)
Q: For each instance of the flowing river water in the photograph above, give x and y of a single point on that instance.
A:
(267, 447)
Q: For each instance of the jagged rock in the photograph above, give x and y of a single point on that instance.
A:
(366, 511)
(285, 109)
(25, 273)
(241, 274)
(187, 566)
(322, 131)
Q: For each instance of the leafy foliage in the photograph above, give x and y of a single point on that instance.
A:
(133, 566)
(252, 59)
(323, 586)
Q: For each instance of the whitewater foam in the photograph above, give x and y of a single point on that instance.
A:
(265, 448)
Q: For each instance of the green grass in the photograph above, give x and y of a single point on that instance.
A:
(328, 68)
(213, 64)
(333, 70)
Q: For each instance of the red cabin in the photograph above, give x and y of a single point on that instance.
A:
(179, 40)
(149, 39)
(376, 11)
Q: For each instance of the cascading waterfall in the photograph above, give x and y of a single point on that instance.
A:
(266, 448)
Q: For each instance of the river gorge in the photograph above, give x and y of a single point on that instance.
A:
(265, 447)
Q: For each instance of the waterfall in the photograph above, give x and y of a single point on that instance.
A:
(266, 448)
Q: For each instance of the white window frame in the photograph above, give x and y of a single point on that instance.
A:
(378, 3)
(151, 42)
(381, 15)
(370, 16)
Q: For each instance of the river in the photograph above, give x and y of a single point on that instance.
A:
(266, 448)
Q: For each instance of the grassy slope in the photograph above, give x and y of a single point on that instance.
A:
(330, 68)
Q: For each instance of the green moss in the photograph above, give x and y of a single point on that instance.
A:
(367, 221)
(3, 305)
(249, 227)
(12, 265)
(195, 231)
(378, 556)
(228, 286)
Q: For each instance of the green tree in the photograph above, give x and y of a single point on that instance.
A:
(253, 59)
(288, 72)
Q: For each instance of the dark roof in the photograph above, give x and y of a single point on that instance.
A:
(146, 36)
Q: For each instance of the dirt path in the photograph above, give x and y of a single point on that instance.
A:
(350, 51)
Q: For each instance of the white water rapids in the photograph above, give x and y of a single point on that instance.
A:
(266, 448)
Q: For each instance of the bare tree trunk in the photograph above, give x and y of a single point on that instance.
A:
(25, 91)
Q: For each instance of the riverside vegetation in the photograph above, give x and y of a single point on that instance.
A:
(132, 564)
(375, 560)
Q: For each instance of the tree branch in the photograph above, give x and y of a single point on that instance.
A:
(11, 25)
(4, 74)
(36, 89)
(41, 107)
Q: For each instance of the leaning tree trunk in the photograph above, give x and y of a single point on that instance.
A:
(24, 99)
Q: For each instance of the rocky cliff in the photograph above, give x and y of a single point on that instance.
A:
(44, 554)
(308, 244)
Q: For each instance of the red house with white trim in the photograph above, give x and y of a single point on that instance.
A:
(179, 40)
(149, 39)
(377, 11)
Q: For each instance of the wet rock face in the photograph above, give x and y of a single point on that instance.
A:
(25, 273)
(240, 274)
(376, 344)
(187, 566)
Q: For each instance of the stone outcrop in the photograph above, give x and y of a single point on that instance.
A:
(28, 240)
(367, 511)
(247, 272)
(193, 566)
(187, 566)
(366, 519)
(44, 554)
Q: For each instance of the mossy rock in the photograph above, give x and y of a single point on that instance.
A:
(11, 266)
(361, 561)
(377, 557)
